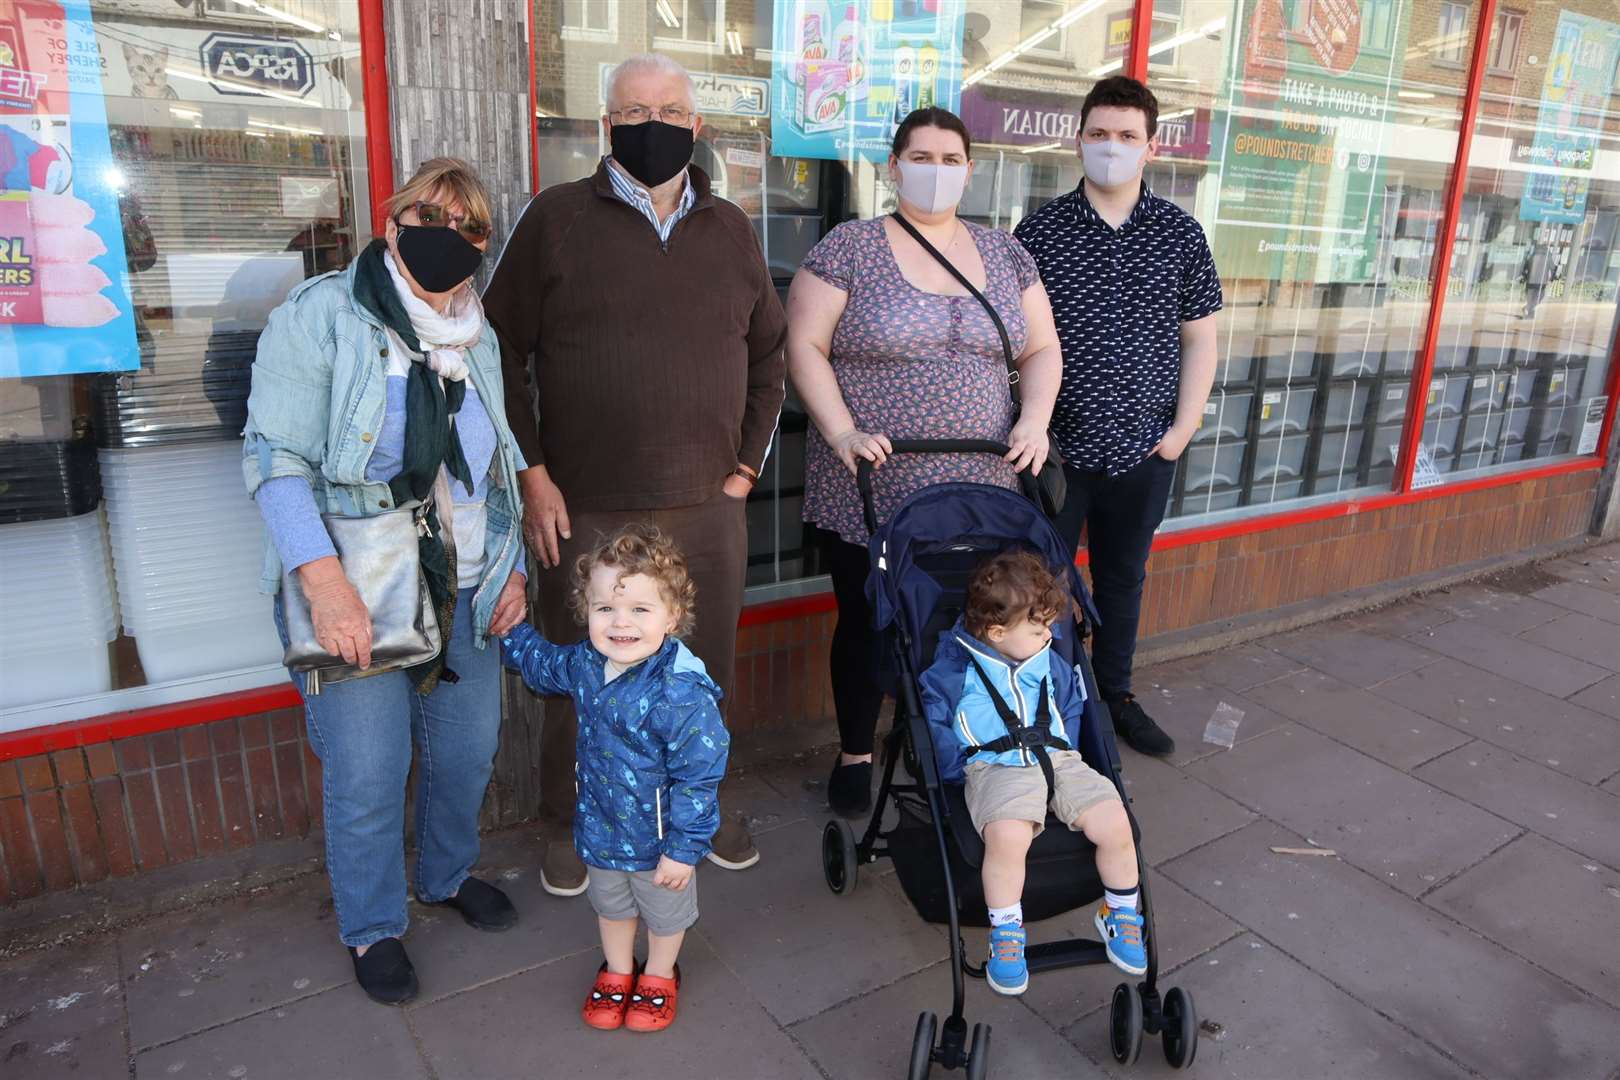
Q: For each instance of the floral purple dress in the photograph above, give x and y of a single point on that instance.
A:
(914, 365)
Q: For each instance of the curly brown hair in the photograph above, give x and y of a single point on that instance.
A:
(1011, 586)
(640, 549)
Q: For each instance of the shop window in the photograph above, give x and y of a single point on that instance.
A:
(229, 167)
(1504, 50)
(1450, 40)
(688, 23)
(1037, 17)
(590, 20)
(1525, 338)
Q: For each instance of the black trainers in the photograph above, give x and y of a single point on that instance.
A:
(849, 789)
(385, 972)
(483, 906)
(1138, 729)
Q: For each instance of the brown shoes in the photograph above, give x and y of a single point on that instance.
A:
(561, 872)
(732, 847)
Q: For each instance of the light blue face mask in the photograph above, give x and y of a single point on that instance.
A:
(1110, 164)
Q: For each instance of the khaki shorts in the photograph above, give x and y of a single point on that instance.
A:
(1018, 792)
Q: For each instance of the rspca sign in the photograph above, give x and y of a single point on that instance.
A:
(253, 66)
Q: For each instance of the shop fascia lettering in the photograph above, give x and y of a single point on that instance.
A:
(1044, 123)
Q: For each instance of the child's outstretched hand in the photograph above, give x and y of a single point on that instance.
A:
(672, 875)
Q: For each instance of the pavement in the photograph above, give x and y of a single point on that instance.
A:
(1458, 753)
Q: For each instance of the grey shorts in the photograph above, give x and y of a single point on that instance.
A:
(625, 894)
(1018, 793)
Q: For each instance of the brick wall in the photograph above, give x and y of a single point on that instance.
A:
(78, 816)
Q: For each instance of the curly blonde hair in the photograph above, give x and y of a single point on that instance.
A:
(640, 549)
(1011, 586)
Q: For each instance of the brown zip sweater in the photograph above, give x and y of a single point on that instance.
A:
(658, 370)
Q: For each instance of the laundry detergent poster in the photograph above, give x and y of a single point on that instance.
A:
(64, 305)
(1574, 96)
(845, 74)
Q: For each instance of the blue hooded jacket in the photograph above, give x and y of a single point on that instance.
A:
(961, 715)
(650, 753)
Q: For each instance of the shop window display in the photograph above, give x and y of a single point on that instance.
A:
(234, 158)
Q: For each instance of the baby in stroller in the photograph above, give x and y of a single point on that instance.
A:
(1005, 719)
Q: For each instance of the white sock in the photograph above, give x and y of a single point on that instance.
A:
(1012, 914)
(1122, 901)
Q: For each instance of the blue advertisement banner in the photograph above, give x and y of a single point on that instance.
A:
(845, 74)
(64, 298)
(1574, 96)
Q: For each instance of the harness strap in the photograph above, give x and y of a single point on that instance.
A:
(1035, 739)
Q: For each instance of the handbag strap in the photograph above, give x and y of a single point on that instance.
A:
(995, 316)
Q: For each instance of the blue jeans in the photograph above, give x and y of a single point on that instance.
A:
(363, 731)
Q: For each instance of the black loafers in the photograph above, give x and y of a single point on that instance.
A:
(849, 789)
(1137, 728)
(483, 906)
(385, 972)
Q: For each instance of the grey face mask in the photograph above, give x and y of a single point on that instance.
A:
(1110, 164)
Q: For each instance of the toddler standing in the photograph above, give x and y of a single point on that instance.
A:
(649, 758)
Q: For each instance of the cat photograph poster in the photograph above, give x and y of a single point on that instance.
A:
(64, 297)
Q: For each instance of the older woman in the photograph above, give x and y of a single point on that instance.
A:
(883, 342)
(377, 388)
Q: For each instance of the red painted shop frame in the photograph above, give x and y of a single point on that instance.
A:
(379, 151)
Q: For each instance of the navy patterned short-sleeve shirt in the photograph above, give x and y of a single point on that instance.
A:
(1119, 298)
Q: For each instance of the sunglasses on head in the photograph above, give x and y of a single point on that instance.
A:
(435, 216)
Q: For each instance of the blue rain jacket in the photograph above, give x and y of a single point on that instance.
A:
(650, 753)
(961, 714)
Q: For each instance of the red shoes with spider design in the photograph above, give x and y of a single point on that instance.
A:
(639, 1002)
(609, 998)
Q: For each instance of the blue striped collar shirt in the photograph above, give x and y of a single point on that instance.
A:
(633, 194)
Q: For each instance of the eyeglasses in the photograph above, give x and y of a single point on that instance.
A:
(678, 115)
(435, 216)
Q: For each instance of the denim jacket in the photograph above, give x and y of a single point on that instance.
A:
(318, 398)
(962, 716)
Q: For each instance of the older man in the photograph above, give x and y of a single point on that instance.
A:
(639, 308)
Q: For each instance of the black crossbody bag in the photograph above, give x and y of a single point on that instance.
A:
(1051, 482)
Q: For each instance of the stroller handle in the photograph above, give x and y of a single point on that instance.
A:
(864, 468)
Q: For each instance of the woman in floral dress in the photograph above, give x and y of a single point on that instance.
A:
(883, 343)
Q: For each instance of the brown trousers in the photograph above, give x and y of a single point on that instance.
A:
(713, 535)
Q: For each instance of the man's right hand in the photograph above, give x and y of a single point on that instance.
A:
(342, 623)
(545, 516)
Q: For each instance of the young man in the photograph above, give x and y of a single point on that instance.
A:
(1134, 292)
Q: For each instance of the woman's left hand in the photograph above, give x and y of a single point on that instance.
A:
(1030, 446)
(511, 606)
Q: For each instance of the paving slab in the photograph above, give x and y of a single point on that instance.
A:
(1236, 668)
(1589, 568)
(1463, 995)
(747, 792)
(1574, 814)
(1582, 637)
(1187, 928)
(1505, 899)
(1560, 734)
(798, 948)
(1498, 609)
(62, 1013)
(1377, 727)
(201, 967)
(1182, 706)
(1603, 698)
(1278, 1020)
(1536, 666)
(1598, 603)
(1354, 656)
(871, 1037)
(1398, 619)
(529, 1026)
(1176, 812)
(1401, 831)
(334, 1034)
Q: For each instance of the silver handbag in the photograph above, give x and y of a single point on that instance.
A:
(380, 558)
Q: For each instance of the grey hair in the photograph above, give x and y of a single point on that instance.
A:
(650, 62)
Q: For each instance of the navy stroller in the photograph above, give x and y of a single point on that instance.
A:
(922, 559)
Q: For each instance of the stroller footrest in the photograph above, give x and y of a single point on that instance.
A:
(1073, 952)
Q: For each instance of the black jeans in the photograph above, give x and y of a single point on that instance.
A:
(1120, 514)
(857, 649)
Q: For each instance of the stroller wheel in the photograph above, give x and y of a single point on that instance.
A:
(922, 1047)
(978, 1066)
(1125, 1025)
(1180, 1029)
(838, 857)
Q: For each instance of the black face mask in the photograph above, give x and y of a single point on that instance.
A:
(652, 152)
(438, 258)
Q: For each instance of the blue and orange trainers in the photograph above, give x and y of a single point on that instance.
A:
(1121, 933)
(1006, 971)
